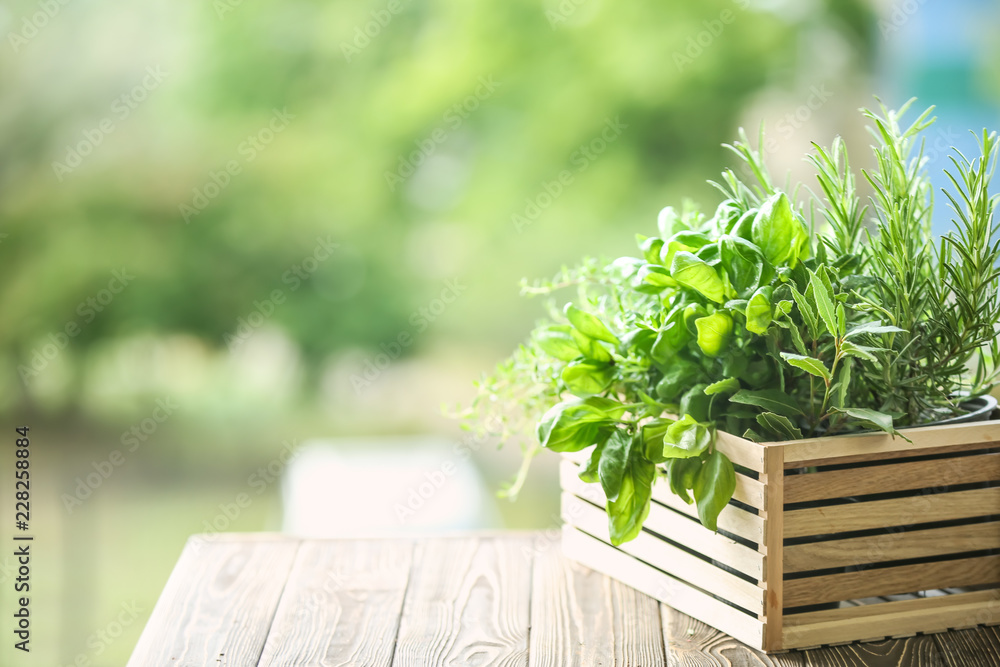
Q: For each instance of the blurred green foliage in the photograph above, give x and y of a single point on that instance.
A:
(675, 75)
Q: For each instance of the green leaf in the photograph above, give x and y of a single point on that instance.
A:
(714, 332)
(629, 510)
(776, 231)
(658, 276)
(758, 311)
(585, 378)
(860, 351)
(671, 339)
(695, 274)
(667, 222)
(650, 248)
(589, 347)
(841, 321)
(589, 472)
(723, 387)
(613, 461)
(652, 433)
(744, 262)
(879, 420)
(714, 487)
(678, 376)
(843, 382)
(574, 424)
(772, 400)
(682, 474)
(558, 342)
(588, 324)
(824, 303)
(779, 426)
(808, 314)
(695, 403)
(873, 328)
(808, 364)
(685, 438)
(682, 241)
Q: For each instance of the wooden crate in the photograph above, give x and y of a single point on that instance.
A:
(827, 540)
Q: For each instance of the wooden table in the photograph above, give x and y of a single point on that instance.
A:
(502, 599)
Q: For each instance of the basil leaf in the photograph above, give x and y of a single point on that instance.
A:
(574, 424)
(627, 512)
(589, 347)
(558, 342)
(585, 378)
(744, 263)
(695, 274)
(677, 377)
(588, 324)
(776, 231)
(685, 240)
(714, 332)
(650, 248)
(681, 474)
(714, 487)
(758, 312)
(657, 276)
(589, 472)
(614, 458)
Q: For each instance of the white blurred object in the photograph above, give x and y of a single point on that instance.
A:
(373, 486)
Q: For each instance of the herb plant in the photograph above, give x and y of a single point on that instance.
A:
(764, 323)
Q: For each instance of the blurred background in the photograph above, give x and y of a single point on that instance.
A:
(248, 250)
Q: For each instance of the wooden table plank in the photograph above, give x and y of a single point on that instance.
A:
(467, 603)
(691, 643)
(580, 617)
(977, 647)
(218, 604)
(341, 605)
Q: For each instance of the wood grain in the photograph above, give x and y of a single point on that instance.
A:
(773, 543)
(341, 605)
(867, 447)
(888, 619)
(892, 580)
(218, 604)
(691, 643)
(977, 647)
(467, 604)
(892, 545)
(581, 617)
(893, 512)
(892, 477)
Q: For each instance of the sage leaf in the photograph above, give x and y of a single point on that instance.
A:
(808, 364)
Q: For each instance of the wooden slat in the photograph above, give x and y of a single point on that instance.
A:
(581, 617)
(740, 451)
(895, 545)
(892, 477)
(606, 559)
(773, 541)
(341, 604)
(932, 614)
(667, 522)
(466, 603)
(893, 512)
(732, 519)
(892, 580)
(661, 555)
(866, 447)
(217, 605)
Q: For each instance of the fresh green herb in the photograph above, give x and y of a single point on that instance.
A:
(749, 323)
